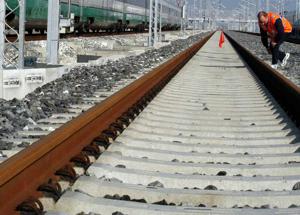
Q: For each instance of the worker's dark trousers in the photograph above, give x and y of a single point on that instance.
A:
(276, 53)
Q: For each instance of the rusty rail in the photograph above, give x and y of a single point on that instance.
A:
(28, 175)
(38, 37)
(286, 93)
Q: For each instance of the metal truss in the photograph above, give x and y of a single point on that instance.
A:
(53, 32)
(153, 22)
(182, 5)
(12, 52)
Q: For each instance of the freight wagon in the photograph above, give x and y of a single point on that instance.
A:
(98, 15)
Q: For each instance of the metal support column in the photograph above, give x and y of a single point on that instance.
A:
(12, 52)
(69, 9)
(53, 32)
(204, 13)
(248, 16)
(182, 20)
(181, 5)
(184, 15)
(22, 33)
(2, 33)
(153, 22)
(124, 12)
(81, 9)
(267, 5)
(194, 16)
(156, 22)
(2, 43)
(160, 20)
(298, 9)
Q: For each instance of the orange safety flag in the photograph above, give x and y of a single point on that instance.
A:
(222, 40)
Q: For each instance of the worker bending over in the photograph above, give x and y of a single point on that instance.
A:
(277, 28)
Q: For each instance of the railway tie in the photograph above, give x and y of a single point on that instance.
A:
(213, 140)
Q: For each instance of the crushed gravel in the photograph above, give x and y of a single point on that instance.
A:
(253, 44)
(79, 83)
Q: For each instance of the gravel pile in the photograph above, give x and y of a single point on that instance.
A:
(253, 43)
(81, 82)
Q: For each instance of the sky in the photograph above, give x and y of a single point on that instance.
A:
(234, 4)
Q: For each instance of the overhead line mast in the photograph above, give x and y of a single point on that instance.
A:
(297, 9)
(15, 60)
(267, 5)
(153, 22)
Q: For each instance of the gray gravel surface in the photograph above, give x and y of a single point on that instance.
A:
(253, 43)
(81, 82)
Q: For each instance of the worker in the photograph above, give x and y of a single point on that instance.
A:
(277, 28)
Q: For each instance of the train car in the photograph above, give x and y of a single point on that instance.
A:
(36, 15)
(171, 15)
(98, 15)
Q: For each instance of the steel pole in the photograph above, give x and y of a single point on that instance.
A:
(184, 17)
(21, 33)
(155, 22)
(53, 32)
(150, 22)
(204, 13)
(2, 33)
(297, 10)
(194, 16)
(296, 15)
(81, 9)
(160, 21)
(267, 5)
(199, 14)
(181, 25)
(69, 9)
(248, 16)
(2, 43)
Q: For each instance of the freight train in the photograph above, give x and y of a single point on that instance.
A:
(97, 15)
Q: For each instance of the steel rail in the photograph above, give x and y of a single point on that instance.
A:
(38, 37)
(283, 90)
(40, 166)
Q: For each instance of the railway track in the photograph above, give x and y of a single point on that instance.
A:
(43, 127)
(37, 37)
(210, 139)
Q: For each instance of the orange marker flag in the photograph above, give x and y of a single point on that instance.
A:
(222, 40)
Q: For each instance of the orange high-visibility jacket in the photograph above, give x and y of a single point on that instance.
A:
(272, 31)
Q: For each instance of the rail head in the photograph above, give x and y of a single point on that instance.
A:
(286, 93)
(21, 175)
